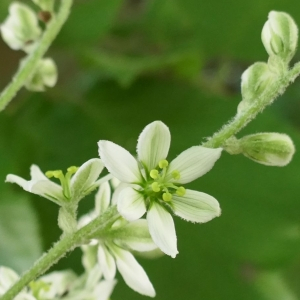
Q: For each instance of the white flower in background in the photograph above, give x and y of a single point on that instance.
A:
(21, 30)
(45, 75)
(155, 185)
(72, 187)
(8, 277)
(112, 253)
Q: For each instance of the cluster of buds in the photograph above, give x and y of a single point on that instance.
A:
(21, 31)
(280, 38)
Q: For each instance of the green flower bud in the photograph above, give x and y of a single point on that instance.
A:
(20, 30)
(254, 82)
(271, 149)
(46, 5)
(45, 75)
(280, 35)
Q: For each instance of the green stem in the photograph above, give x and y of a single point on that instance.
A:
(53, 28)
(242, 119)
(66, 244)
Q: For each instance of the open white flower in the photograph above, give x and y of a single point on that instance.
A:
(155, 186)
(113, 253)
(72, 187)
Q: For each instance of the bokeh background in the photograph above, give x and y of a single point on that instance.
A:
(123, 64)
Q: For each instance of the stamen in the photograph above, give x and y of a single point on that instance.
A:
(72, 169)
(167, 197)
(176, 174)
(154, 174)
(155, 187)
(181, 191)
(163, 164)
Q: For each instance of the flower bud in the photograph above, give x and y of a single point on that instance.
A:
(20, 30)
(46, 5)
(45, 75)
(254, 82)
(271, 149)
(280, 35)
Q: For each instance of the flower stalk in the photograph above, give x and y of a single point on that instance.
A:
(66, 244)
(32, 60)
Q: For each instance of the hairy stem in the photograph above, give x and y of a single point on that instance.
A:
(19, 79)
(66, 244)
(242, 119)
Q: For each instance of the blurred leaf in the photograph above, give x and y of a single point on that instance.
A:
(19, 230)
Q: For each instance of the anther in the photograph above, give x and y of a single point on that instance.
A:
(155, 187)
(167, 197)
(176, 174)
(163, 163)
(181, 191)
(154, 174)
(72, 169)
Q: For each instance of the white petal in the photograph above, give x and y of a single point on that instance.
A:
(7, 278)
(104, 289)
(135, 236)
(36, 173)
(84, 179)
(102, 198)
(153, 144)
(119, 189)
(196, 206)
(106, 262)
(132, 272)
(119, 162)
(131, 204)
(44, 188)
(162, 229)
(193, 163)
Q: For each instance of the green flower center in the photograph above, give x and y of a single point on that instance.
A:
(64, 179)
(160, 186)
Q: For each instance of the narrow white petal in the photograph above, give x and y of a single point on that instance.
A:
(102, 198)
(83, 180)
(132, 272)
(7, 278)
(36, 173)
(135, 236)
(119, 162)
(106, 262)
(193, 163)
(11, 178)
(131, 204)
(104, 289)
(47, 189)
(153, 144)
(196, 206)
(162, 229)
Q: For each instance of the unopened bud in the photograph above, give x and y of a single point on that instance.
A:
(271, 149)
(21, 30)
(45, 75)
(280, 35)
(254, 82)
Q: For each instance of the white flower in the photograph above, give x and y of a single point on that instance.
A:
(112, 253)
(155, 185)
(45, 75)
(82, 183)
(20, 30)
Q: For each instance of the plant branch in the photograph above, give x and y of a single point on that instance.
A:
(31, 61)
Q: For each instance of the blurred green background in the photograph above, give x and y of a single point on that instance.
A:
(123, 64)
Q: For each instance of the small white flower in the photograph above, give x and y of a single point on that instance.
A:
(45, 75)
(82, 183)
(21, 30)
(155, 186)
(113, 254)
